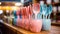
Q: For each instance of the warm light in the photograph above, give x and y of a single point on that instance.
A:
(7, 11)
(54, 8)
(14, 8)
(1, 11)
(7, 8)
(49, 1)
(0, 3)
(3, 8)
(18, 4)
(41, 2)
(0, 7)
(22, 1)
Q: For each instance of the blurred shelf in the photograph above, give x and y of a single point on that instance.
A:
(55, 3)
(58, 24)
(23, 31)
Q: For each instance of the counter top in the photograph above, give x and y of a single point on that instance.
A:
(54, 30)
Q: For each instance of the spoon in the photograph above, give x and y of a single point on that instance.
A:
(49, 10)
(44, 10)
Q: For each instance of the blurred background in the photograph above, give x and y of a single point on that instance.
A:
(7, 8)
(11, 5)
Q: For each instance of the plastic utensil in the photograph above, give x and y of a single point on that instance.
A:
(49, 10)
(36, 9)
(47, 22)
(44, 10)
(14, 13)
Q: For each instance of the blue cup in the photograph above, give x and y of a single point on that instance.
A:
(46, 25)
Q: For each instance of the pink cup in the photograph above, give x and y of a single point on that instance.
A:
(27, 24)
(18, 21)
(35, 25)
(22, 24)
(18, 12)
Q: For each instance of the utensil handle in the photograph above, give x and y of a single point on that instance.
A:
(49, 16)
(40, 16)
(35, 16)
(43, 17)
(29, 16)
(46, 16)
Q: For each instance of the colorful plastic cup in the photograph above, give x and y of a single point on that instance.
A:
(14, 21)
(35, 25)
(46, 25)
(27, 24)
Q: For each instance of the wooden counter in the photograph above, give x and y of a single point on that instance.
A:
(54, 30)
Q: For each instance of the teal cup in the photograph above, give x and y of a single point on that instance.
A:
(14, 21)
(46, 25)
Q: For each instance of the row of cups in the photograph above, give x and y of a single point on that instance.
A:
(34, 25)
(23, 18)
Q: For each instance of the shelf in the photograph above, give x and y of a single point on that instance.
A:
(56, 4)
(58, 24)
(23, 31)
